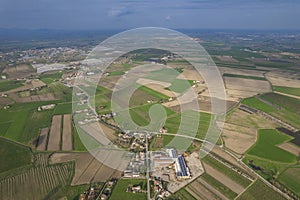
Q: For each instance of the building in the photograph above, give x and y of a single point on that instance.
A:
(181, 169)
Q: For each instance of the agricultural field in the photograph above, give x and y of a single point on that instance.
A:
(13, 155)
(219, 186)
(119, 191)
(9, 85)
(55, 134)
(266, 148)
(227, 173)
(87, 168)
(21, 122)
(287, 90)
(290, 178)
(172, 123)
(259, 190)
(60, 136)
(244, 77)
(39, 182)
(49, 78)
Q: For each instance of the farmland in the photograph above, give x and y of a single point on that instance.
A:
(243, 76)
(9, 85)
(287, 90)
(280, 106)
(266, 148)
(37, 182)
(226, 171)
(119, 192)
(259, 190)
(290, 178)
(13, 155)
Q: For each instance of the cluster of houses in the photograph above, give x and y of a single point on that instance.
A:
(137, 166)
(159, 188)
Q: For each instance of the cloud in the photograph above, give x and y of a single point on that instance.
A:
(168, 18)
(119, 11)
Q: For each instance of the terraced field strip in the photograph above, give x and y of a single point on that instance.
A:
(67, 141)
(199, 191)
(212, 188)
(36, 182)
(55, 133)
(42, 142)
(222, 178)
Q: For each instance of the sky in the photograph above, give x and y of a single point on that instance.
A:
(126, 14)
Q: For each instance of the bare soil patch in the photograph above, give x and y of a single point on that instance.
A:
(55, 133)
(42, 141)
(67, 141)
(243, 72)
(286, 79)
(292, 148)
(19, 71)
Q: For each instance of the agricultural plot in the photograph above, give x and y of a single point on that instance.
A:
(173, 122)
(223, 189)
(87, 168)
(278, 78)
(119, 192)
(214, 174)
(13, 155)
(36, 182)
(244, 76)
(63, 108)
(22, 122)
(42, 140)
(49, 78)
(259, 190)
(9, 85)
(241, 71)
(290, 178)
(226, 172)
(67, 140)
(55, 134)
(19, 71)
(280, 106)
(287, 90)
(242, 87)
(266, 148)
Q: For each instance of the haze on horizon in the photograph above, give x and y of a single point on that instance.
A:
(125, 14)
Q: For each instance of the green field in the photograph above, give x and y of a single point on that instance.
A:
(245, 77)
(219, 186)
(289, 108)
(13, 155)
(173, 122)
(165, 75)
(183, 194)
(287, 90)
(256, 103)
(22, 122)
(153, 93)
(290, 178)
(226, 171)
(9, 85)
(289, 103)
(63, 108)
(50, 78)
(180, 85)
(78, 145)
(116, 73)
(119, 191)
(265, 147)
(259, 190)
